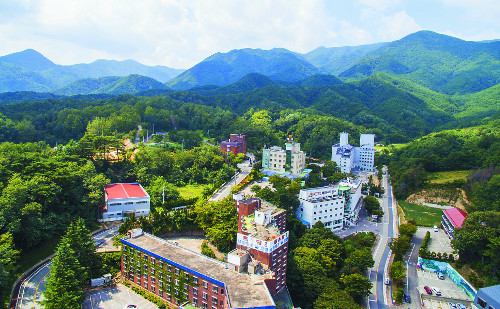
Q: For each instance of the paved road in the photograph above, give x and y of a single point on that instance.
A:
(411, 260)
(226, 189)
(30, 292)
(378, 298)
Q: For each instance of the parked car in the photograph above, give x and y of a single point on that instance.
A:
(428, 290)
(436, 229)
(440, 276)
(452, 305)
(406, 298)
(460, 306)
(130, 307)
(436, 291)
(387, 281)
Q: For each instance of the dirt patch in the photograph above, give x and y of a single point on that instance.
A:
(452, 197)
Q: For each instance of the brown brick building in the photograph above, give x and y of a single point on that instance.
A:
(236, 144)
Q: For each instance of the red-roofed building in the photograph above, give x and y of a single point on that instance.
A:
(123, 199)
(452, 218)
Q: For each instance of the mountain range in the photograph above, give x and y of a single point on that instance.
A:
(438, 62)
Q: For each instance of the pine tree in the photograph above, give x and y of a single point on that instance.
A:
(64, 285)
(80, 239)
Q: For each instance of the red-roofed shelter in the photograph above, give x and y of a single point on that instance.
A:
(452, 218)
(123, 199)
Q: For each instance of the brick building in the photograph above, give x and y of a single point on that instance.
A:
(262, 234)
(186, 279)
(236, 144)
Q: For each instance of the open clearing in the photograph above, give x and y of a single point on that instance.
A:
(449, 176)
(423, 215)
(191, 191)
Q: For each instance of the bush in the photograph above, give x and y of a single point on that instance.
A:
(147, 295)
(206, 250)
(398, 298)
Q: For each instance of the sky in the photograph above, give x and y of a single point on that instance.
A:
(181, 33)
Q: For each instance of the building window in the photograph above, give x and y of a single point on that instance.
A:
(160, 293)
(169, 279)
(195, 302)
(481, 302)
(168, 288)
(160, 275)
(152, 289)
(195, 280)
(205, 284)
(177, 301)
(176, 281)
(215, 289)
(195, 292)
(176, 292)
(145, 284)
(204, 305)
(160, 263)
(145, 267)
(152, 271)
(145, 257)
(153, 280)
(185, 286)
(221, 303)
(214, 300)
(222, 291)
(146, 276)
(205, 295)
(160, 283)
(177, 271)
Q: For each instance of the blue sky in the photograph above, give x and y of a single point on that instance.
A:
(180, 33)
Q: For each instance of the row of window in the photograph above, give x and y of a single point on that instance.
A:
(128, 203)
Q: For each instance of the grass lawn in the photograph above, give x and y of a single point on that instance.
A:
(191, 191)
(449, 176)
(423, 215)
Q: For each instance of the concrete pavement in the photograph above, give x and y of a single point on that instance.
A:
(224, 192)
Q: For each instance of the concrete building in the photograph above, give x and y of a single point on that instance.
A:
(186, 279)
(123, 199)
(236, 144)
(451, 219)
(263, 237)
(289, 162)
(353, 159)
(487, 298)
(322, 204)
(337, 206)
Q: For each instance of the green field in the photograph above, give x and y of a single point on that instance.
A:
(443, 177)
(423, 215)
(191, 191)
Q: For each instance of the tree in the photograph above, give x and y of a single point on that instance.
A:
(493, 252)
(399, 247)
(371, 203)
(332, 253)
(333, 298)
(407, 229)
(360, 259)
(397, 271)
(357, 286)
(80, 240)
(313, 237)
(8, 259)
(65, 283)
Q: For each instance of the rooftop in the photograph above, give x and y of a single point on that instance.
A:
(456, 216)
(262, 232)
(125, 190)
(243, 290)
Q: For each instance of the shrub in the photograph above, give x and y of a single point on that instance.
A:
(206, 250)
(398, 298)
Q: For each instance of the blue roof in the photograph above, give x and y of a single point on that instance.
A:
(305, 222)
(491, 292)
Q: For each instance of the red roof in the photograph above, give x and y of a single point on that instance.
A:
(124, 190)
(456, 216)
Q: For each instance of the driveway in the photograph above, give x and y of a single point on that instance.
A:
(115, 298)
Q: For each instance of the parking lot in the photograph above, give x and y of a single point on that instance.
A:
(115, 298)
(440, 242)
(449, 291)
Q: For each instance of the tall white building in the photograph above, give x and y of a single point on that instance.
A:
(321, 204)
(289, 162)
(336, 206)
(353, 159)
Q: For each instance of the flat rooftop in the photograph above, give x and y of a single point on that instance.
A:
(243, 290)
(259, 231)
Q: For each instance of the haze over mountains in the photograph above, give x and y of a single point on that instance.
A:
(438, 62)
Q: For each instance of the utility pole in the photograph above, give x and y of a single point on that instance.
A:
(163, 194)
(153, 129)
(182, 144)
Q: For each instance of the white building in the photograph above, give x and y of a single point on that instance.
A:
(336, 206)
(353, 159)
(322, 204)
(123, 199)
(289, 162)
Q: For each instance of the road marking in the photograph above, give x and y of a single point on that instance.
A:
(36, 291)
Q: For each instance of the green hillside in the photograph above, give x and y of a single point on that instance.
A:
(439, 62)
(226, 68)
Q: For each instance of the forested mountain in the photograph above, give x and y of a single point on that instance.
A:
(436, 61)
(111, 85)
(226, 68)
(335, 60)
(31, 71)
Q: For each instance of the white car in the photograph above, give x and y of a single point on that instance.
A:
(436, 291)
(436, 229)
(130, 307)
(387, 281)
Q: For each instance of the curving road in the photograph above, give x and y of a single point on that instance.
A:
(378, 299)
(31, 290)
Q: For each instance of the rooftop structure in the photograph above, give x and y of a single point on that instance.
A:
(216, 284)
(352, 159)
(289, 162)
(451, 219)
(123, 199)
(487, 298)
(236, 144)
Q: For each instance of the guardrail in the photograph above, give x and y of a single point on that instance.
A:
(13, 301)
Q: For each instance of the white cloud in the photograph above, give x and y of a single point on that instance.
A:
(397, 26)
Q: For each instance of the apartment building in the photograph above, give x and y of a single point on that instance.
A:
(353, 159)
(236, 144)
(322, 204)
(289, 162)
